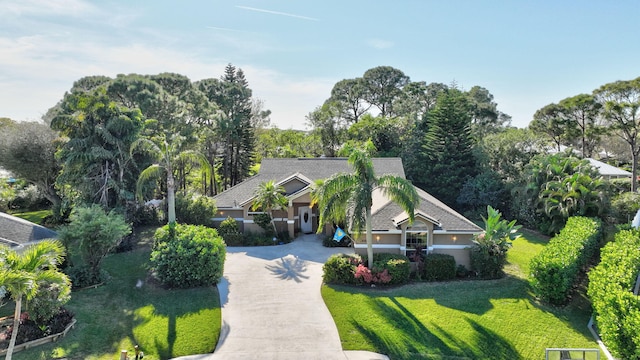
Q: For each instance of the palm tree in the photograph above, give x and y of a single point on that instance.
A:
(349, 196)
(21, 274)
(268, 197)
(167, 154)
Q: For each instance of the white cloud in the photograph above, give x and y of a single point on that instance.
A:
(379, 44)
(74, 8)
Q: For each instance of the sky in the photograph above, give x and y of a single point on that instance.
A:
(526, 53)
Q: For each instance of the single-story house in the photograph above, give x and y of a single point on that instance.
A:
(18, 233)
(437, 227)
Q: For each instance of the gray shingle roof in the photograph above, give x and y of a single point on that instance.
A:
(450, 220)
(312, 168)
(15, 231)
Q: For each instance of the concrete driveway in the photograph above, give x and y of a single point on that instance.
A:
(272, 307)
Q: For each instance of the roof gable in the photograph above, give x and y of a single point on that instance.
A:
(15, 231)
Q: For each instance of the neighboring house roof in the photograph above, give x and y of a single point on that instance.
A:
(389, 215)
(304, 169)
(607, 170)
(16, 232)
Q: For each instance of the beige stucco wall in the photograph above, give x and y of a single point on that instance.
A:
(448, 239)
(462, 256)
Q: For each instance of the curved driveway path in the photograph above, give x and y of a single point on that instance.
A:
(272, 307)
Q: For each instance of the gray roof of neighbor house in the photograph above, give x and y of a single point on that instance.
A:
(607, 170)
(385, 211)
(15, 231)
(311, 168)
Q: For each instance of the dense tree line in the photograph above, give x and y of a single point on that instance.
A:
(87, 145)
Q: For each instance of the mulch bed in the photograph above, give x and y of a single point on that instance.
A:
(29, 330)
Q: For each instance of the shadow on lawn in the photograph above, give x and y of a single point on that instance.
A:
(414, 340)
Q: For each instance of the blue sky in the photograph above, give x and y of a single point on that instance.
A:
(526, 53)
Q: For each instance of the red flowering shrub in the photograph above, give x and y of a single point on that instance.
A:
(369, 277)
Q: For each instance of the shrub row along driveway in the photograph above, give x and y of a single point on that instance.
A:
(272, 307)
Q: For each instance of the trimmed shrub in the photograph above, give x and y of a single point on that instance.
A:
(555, 269)
(610, 289)
(229, 229)
(397, 266)
(624, 207)
(438, 267)
(195, 210)
(341, 269)
(186, 256)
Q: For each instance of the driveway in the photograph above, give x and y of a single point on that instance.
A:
(272, 307)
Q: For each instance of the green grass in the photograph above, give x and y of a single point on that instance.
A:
(35, 217)
(492, 319)
(165, 323)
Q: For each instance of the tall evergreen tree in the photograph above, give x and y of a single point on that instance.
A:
(447, 151)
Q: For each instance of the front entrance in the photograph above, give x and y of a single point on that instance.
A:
(306, 224)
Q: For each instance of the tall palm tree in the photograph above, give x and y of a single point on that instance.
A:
(269, 197)
(22, 273)
(349, 196)
(167, 154)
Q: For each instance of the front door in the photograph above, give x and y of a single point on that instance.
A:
(304, 213)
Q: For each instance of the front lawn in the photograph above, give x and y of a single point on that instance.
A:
(492, 319)
(165, 323)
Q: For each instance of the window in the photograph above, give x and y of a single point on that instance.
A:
(417, 235)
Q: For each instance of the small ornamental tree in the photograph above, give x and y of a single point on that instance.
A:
(91, 235)
(489, 254)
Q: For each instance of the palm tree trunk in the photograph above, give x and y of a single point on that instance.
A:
(14, 331)
(273, 222)
(171, 197)
(369, 239)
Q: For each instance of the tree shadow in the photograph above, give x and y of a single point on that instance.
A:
(434, 342)
(289, 268)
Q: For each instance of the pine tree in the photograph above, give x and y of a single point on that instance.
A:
(448, 148)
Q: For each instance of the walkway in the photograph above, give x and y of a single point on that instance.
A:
(272, 307)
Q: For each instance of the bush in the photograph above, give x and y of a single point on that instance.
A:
(264, 221)
(328, 241)
(230, 232)
(555, 269)
(48, 301)
(92, 234)
(610, 290)
(341, 269)
(195, 210)
(624, 207)
(489, 254)
(397, 266)
(186, 256)
(82, 276)
(351, 269)
(438, 267)
(139, 215)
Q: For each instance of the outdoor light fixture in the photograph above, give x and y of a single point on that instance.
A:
(378, 238)
(454, 238)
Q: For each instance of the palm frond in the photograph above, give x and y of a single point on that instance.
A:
(153, 171)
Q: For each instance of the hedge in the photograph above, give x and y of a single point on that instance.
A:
(555, 269)
(438, 267)
(185, 256)
(351, 269)
(617, 309)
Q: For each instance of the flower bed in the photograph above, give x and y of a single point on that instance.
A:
(30, 335)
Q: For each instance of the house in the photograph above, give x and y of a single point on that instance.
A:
(18, 233)
(437, 227)
(607, 171)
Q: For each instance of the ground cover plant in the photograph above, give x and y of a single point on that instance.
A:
(119, 315)
(470, 319)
